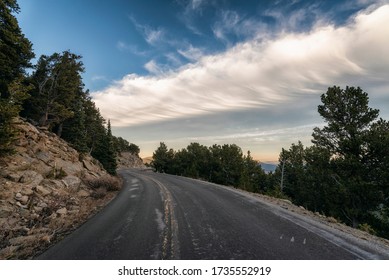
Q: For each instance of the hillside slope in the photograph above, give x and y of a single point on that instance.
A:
(129, 160)
(46, 190)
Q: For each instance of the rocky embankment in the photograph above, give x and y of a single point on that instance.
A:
(46, 190)
(129, 160)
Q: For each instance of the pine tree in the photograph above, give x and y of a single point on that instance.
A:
(74, 129)
(111, 163)
(58, 86)
(162, 158)
(15, 55)
(346, 137)
(15, 50)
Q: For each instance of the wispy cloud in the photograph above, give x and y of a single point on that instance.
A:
(192, 9)
(195, 4)
(153, 67)
(122, 46)
(230, 23)
(191, 53)
(260, 135)
(259, 74)
(152, 35)
(99, 78)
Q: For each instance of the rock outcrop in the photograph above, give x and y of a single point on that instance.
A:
(129, 160)
(46, 190)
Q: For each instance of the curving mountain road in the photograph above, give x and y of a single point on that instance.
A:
(159, 216)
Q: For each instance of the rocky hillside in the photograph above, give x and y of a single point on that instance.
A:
(129, 160)
(46, 190)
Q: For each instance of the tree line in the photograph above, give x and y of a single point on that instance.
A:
(52, 96)
(343, 174)
(221, 164)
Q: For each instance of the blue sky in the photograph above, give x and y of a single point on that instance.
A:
(218, 71)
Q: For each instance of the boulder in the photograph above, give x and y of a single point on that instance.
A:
(88, 165)
(55, 184)
(70, 168)
(62, 211)
(27, 191)
(83, 193)
(14, 177)
(44, 156)
(43, 204)
(42, 190)
(31, 177)
(27, 128)
(5, 211)
(21, 142)
(71, 181)
(22, 198)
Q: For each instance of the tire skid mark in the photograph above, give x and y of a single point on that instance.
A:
(169, 236)
(170, 246)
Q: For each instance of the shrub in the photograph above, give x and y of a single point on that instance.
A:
(99, 193)
(107, 182)
(56, 174)
(367, 228)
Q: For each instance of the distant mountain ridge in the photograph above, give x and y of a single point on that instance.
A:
(268, 167)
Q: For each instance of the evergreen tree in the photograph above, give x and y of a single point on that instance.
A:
(95, 129)
(9, 109)
(105, 150)
(253, 178)
(15, 55)
(292, 162)
(349, 119)
(111, 163)
(15, 50)
(74, 129)
(122, 145)
(58, 86)
(197, 161)
(162, 159)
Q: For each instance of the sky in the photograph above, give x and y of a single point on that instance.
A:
(217, 71)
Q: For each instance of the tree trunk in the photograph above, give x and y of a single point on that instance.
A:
(59, 131)
(43, 119)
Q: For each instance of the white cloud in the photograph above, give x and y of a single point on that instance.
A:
(258, 74)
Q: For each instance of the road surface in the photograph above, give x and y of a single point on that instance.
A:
(160, 216)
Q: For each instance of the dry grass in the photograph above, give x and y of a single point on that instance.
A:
(106, 182)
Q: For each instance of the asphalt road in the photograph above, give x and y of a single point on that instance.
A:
(159, 216)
